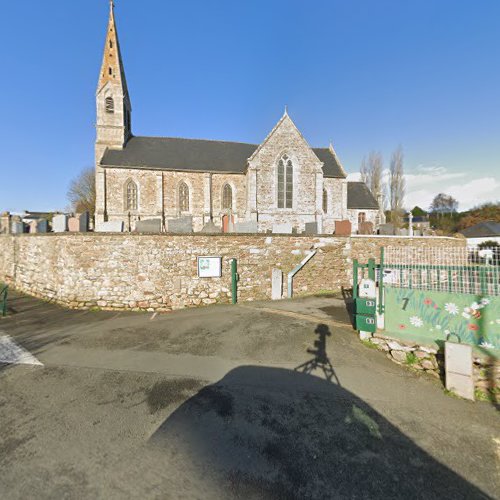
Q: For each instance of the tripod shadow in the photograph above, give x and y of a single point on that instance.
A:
(320, 360)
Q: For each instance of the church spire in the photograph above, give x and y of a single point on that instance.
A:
(112, 63)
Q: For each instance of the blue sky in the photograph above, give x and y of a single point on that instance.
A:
(367, 74)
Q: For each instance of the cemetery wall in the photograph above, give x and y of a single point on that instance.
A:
(159, 272)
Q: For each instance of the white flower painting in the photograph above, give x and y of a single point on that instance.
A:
(416, 322)
(451, 308)
(487, 345)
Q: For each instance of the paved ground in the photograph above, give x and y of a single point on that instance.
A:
(207, 404)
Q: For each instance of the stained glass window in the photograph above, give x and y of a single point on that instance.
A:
(227, 197)
(183, 197)
(131, 195)
(285, 182)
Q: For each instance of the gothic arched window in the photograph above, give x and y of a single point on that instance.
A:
(361, 217)
(325, 201)
(227, 197)
(285, 182)
(110, 105)
(131, 197)
(183, 197)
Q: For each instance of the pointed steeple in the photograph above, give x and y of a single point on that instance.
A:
(114, 111)
(112, 64)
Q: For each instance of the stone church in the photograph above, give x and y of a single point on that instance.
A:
(282, 181)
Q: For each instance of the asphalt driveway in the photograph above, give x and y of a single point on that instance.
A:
(229, 402)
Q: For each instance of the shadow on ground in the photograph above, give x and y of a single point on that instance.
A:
(264, 432)
(320, 361)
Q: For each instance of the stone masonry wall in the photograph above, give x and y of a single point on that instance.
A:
(159, 272)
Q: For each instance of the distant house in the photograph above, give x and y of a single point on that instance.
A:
(484, 231)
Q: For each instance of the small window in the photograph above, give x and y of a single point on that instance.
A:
(111, 44)
(110, 70)
(131, 195)
(183, 197)
(361, 217)
(227, 197)
(325, 201)
(110, 105)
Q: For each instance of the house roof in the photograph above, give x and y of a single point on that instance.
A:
(197, 155)
(359, 196)
(482, 230)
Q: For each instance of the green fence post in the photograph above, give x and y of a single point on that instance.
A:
(234, 281)
(355, 279)
(371, 269)
(4, 302)
(381, 282)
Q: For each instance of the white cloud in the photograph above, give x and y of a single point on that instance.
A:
(427, 181)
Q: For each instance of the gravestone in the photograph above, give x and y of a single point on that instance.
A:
(111, 226)
(210, 227)
(17, 227)
(148, 226)
(246, 227)
(84, 221)
(73, 225)
(311, 228)
(277, 284)
(42, 226)
(32, 227)
(386, 229)
(365, 228)
(343, 228)
(285, 228)
(181, 225)
(59, 223)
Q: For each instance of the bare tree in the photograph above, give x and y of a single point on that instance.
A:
(443, 204)
(364, 172)
(374, 177)
(397, 186)
(81, 193)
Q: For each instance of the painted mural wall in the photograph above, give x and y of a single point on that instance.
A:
(435, 316)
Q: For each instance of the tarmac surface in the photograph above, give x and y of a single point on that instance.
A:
(258, 400)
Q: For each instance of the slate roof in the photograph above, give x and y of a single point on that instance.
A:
(197, 155)
(482, 230)
(359, 196)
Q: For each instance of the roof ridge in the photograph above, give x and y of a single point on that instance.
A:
(191, 139)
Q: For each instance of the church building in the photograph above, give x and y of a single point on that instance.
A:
(283, 180)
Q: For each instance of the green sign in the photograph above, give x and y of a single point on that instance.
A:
(420, 315)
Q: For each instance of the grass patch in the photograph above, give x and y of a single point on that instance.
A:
(367, 343)
(451, 394)
(486, 396)
(411, 359)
